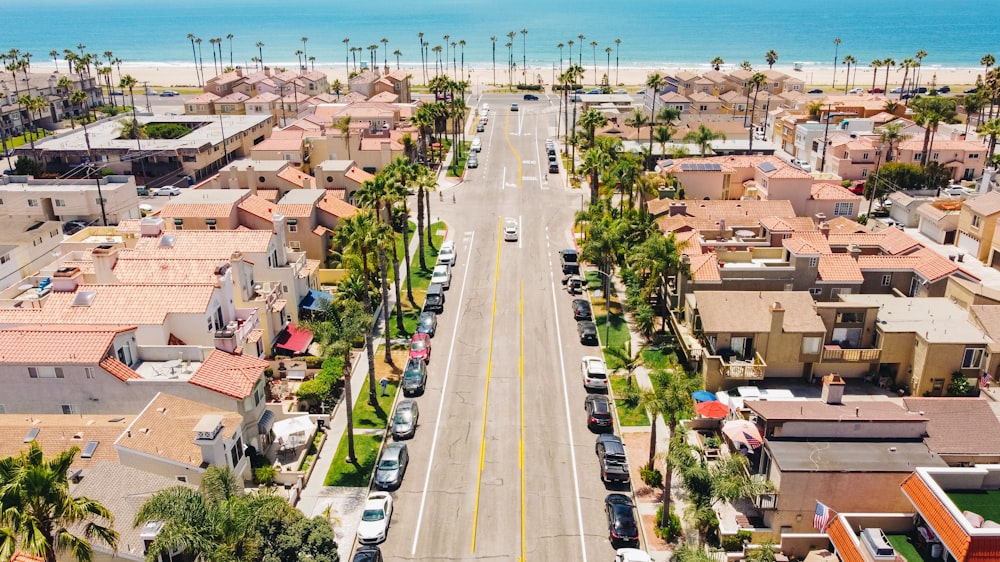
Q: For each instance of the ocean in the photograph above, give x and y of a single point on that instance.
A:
(658, 32)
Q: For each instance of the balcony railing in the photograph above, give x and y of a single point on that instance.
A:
(741, 369)
(766, 501)
(839, 354)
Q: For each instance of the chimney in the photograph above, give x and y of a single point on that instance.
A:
(777, 317)
(208, 436)
(66, 279)
(307, 183)
(824, 229)
(820, 218)
(279, 232)
(151, 226)
(267, 71)
(678, 208)
(240, 278)
(224, 280)
(251, 180)
(833, 389)
(105, 257)
(855, 251)
(239, 71)
(385, 70)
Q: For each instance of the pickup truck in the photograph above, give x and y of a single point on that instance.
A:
(570, 261)
(611, 454)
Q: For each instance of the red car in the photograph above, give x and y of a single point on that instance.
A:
(420, 347)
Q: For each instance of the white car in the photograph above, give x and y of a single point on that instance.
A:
(802, 165)
(477, 144)
(442, 275)
(857, 91)
(631, 555)
(446, 254)
(375, 519)
(510, 231)
(956, 191)
(167, 190)
(594, 372)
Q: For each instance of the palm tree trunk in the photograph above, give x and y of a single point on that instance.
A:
(370, 348)
(406, 254)
(427, 208)
(385, 304)
(352, 458)
(652, 440)
(667, 484)
(420, 236)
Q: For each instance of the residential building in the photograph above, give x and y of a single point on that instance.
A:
(705, 103)
(949, 429)
(14, 119)
(28, 244)
(93, 434)
(343, 176)
(977, 223)
(938, 220)
(370, 83)
(964, 158)
(91, 200)
(202, 104)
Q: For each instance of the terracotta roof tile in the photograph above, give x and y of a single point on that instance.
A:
(807, 243)
(358, 175)
(205, 244)
(120, 370)
(724, 311)
(830, 191)
(705, 268)
(947, 529)
(116, 304)
(337, 207)
(268, 194)
(295, 177)
(59, 432)
(844, 541)
(165, 429)
(839, 268)
(844, 225)
(72, 344)
(986, 204)
(195, 210)
(165, 271)
(232, 375)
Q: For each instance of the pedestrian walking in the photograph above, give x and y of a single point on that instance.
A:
(384, 382)
(452, 197)
(440, 196)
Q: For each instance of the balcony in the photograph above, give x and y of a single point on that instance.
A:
(766, 501)
(743, 369)
(835, 353)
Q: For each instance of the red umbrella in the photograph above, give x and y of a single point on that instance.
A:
(712, 409)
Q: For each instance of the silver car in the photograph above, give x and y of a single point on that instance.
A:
(392, 466)
(404, 423)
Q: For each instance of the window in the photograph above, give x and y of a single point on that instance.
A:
(850, 317)
(89, 372)
(918, 156)
(937, 384)
(32, 202)
(60, 203)
(976, 220)
(886, 280)
(70, 409)
(292, 227)
(973, 358)
(973, 156)
(182, 478)
(864, 156)
(45, 372)
(295, 245)
(810, 345)
(846, 155)
(813, 262)
(815, 291)
(935, 156)
(260, 179)
(843, 209)
(3, 409)
(864, 172)
(100, 200)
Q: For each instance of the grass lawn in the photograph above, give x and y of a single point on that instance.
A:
(983, 502)
(657, 359)
(341, 473)
(457, 167)
(26, 138)
(364, 414)
(905, 548)
(618, 334)
(420, 279)
(627, 415)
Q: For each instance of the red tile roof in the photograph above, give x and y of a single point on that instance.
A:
(78, 344)
(258, 207)
(116, 304)
(830, 191)
(232, 375)
(844, 541)
(336, 207)
(945, 526)
(120, 370)
(839, 268)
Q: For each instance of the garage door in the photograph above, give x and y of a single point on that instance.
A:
(930, 229)
(968, 243)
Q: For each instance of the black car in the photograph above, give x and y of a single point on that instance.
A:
(944, 89)
(480, 128)
(581, 310)
(622, 527)
(530, 97)
(553, 168)
(367, 553)
(587, 331)
(815, 91)
(414, 377)
(427, 323)
(598, 408)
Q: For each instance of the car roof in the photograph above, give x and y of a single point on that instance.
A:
(393, 450)
(619, 499)
(608, 438)
(598, 399)
(567, 252)
(413, 363)
(595, 364)
(406, 405)
(419, 336)
(587, 324)
(427, 314)
(580, 302)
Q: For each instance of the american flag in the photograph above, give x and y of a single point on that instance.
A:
(752, 441)
(985, 380)
(821, 517)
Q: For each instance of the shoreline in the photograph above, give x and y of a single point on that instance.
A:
(182, 75)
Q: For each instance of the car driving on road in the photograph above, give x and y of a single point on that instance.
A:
(510, 231)
(167, 190)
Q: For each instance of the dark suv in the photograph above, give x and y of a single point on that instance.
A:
(414, 377)
(598, 409)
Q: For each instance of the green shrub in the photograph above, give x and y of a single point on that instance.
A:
(265, 475)
(570, 87)
(651, 476)
(312, 361)
(734, 543)
(166, 130)
(713, 442)
(672, 530)
(630, 395)
(531, 87)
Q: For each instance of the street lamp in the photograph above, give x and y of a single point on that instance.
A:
(607, 306)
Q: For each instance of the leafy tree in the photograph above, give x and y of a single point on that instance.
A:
(960, 385)
(24, 166)
(38, 510)
(717, 63)
(765, 552)
(991, 129)
(166, 130)
(311, 539)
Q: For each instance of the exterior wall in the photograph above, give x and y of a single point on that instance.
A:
(795, 190)
(26, 259)
(933, 364)
(829, 207)
(836, 430)
(199, 222)
(70, 199)
(984, 231)
(701, 185)
(899, 281)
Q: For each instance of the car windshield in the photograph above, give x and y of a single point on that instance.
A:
(403, 417)
(410, 375)
(388, 465)
(373, 515)
(418, 345)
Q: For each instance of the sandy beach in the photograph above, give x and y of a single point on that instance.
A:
(482, 76)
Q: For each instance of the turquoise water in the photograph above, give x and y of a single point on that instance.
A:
(954, 35)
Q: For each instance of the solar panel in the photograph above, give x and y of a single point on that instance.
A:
(766, 167)
(88, 451)
(32, 433)
(713, 167)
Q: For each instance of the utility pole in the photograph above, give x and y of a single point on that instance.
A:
(90, 170)
(225, 151)
(145, 86)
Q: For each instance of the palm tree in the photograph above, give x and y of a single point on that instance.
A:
(608, 75)
(717, 63)
(260, 52)
(906, 65)
(595, 162)
(662, 135)
(230, 36)
(703, 137)
(32, 104)
(876, 64)
(590, 121)
(772, 57)
(493, 42)
(347, 54)
(78, 98)
(888, 63)
(298, 53)
(836, 52)
(55, 58)
(593, 45)
(653, 83)
(385, 50)
(524, 51)
(397, 53)
(425, 181)
(757, 80)
(618, 44)
(38, 509)
(581, 38)
(990, 129)
(658, 258)
(344, 126)
(402, 171)
(570, 58)
(215, 63)
(65, 85)
(201, 60)
(920, 55)
(194, 54)
(848, 60)
(461, 43)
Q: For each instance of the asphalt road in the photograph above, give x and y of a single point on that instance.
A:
(503, 466)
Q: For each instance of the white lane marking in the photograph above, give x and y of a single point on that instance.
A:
(569, 429)
(444, 392)
(503, 178)
(520, 236)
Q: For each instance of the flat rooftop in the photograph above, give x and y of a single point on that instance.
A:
(852, 456)
(938, 318)
(210, 196)
(817, 410)
(107, 135)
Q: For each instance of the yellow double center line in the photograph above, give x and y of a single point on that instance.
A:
(489, 376)
(517, 156)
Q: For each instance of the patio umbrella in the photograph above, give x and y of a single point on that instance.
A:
(714, 409)
(743, 431)
(703, 396)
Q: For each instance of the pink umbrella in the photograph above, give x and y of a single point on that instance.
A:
(712, 409)
(743, 431)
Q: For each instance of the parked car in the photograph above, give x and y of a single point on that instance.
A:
(442, 275)
(896, 90)
(513, 107)
(530, 97)
(594, 91)
(404, 423)
(956, 191)
(876, 91)
(598, 407)
(570, 261)
(815, 91)
(427, 323)
(802, 165)
(480, 127)
(631, 555)
(167, 190)
(510, 231)
(856, 91)
(375, 518)
(621, 91)
(446, 254)
(420, 347)
(622, 527)
(472, 162)
(371, 553)
(587, 331)
(971, 91)
(594, 373)
(72, 227)
(391, 466)
(944, 89)
(553, 168)
(581, 310)
(414, 377)
(477, 144)
(169, 93)
(611, 456)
